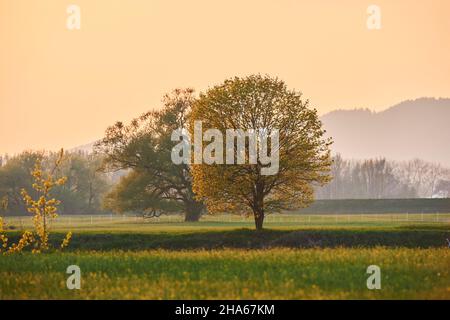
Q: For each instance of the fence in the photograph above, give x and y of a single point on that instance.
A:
(86, 221)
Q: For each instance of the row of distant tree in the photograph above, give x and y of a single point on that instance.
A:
(83, 193)
(91, 190)
(383, 179)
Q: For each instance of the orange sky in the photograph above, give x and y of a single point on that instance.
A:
(61, 88)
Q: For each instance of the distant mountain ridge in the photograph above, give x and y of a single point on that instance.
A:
(411, 129)
(88, 148)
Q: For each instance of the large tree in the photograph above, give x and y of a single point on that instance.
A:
(154, 185)
(261, 103)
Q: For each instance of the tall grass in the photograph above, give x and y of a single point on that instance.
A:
(230, 274)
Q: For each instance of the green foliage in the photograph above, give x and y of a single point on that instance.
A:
(83, 192)
(86, 185)
(132, 194)
(154, 185)
(254, 103)
(15, 176)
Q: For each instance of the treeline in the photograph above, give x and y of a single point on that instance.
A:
(83, 192)
(383, 179)
(89, 190)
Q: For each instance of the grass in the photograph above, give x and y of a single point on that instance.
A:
(219, 238)
(230, 274)
(227, 260)
(289, 221)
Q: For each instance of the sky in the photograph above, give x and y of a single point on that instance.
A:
(63, 88)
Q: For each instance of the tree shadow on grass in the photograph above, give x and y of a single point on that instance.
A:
(250, 239)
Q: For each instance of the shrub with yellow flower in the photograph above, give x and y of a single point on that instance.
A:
(3, 237)
(44, 209)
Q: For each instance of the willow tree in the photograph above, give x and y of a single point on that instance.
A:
(154, 184)
(260, 104)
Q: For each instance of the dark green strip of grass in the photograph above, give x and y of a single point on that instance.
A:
(250, 239)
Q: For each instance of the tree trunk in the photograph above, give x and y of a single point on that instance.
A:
(259, 219)
(193, 211)
(258, 206)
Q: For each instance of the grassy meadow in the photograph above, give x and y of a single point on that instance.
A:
(222, 257)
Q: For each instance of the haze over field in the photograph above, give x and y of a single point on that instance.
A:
(62, 88)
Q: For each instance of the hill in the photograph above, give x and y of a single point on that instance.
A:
(411, 129)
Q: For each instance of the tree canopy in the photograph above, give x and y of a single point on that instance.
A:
(261, 103)
(154, 185)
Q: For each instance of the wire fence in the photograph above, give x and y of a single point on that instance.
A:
(62, 221)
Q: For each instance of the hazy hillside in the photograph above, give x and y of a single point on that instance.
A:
(84, 148)
(411, 129)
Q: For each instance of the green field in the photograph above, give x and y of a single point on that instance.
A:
(296, 257)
